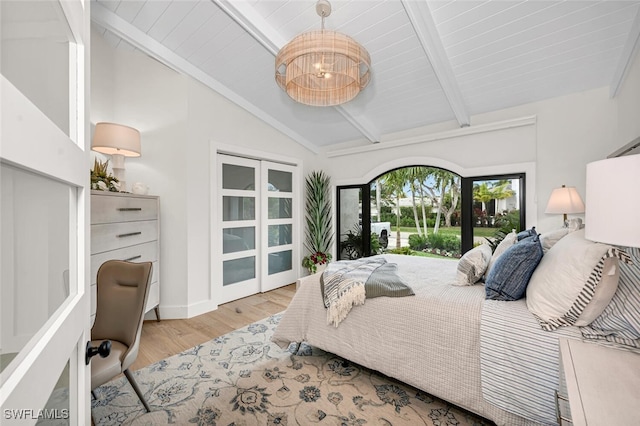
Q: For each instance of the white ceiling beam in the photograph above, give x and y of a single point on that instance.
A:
(246, 16)
(153, 48)
(427, 33)
(629, 52)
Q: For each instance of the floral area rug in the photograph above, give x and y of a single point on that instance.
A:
(242, 378)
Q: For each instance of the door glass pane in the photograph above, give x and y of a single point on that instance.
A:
(279, 208)
(29, 44)
(35, 261)
(496, 207)
(279, 235)
(238, 177)
(238, 239)
(280, 181)
(56, 410)
(279, 262)
(238, 208)
(237, 270)
(350, 231)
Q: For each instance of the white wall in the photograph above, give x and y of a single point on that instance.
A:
(180, 120)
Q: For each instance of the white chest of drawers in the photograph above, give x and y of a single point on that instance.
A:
(125, 227)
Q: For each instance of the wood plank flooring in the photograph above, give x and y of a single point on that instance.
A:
(162, 339)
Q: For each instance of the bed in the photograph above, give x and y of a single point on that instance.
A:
(490, 357)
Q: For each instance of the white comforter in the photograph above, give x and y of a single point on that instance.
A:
(430, 340)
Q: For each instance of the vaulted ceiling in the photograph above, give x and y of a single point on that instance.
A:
(432, 61)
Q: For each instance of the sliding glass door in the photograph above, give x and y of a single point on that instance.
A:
(257, 201)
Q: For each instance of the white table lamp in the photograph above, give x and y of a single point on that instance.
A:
(565, 200)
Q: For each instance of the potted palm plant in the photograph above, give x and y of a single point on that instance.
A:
(319, 237)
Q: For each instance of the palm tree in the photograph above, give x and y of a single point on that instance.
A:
(394, 181)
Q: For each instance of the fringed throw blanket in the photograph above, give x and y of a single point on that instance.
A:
(348, 282)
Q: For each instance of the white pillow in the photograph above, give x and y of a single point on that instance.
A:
(549, 239)
(510, 239)
(473, 264)
(574, 282)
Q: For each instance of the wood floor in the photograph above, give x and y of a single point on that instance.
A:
(162, 339)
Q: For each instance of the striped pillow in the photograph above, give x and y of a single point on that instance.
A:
(574, 274)
(473, 264)
(620, 320)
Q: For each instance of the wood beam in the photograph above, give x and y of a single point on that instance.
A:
(427, 33)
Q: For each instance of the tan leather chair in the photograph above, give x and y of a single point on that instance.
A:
(122, 293)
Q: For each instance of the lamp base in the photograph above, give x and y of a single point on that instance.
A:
(117, 164)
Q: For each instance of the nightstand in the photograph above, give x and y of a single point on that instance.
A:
(599, 385)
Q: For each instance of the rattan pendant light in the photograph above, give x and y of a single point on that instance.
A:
(323, 68)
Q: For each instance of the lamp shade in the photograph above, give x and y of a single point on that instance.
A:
(111, 138)
(565, 200)
(613, 201)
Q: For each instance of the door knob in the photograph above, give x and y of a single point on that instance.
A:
(103, 350)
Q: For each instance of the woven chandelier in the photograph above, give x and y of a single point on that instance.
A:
(323, 68)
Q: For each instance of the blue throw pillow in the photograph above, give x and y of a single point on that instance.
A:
(526, 233)
(511, 273)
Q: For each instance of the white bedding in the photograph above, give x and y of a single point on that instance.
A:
(430, 340)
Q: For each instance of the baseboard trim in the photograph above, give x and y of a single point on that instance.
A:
(182, 311)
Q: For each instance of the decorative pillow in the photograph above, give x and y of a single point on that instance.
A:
(619, 322)
(473, 264)
(510, 275)
(567, 281)
(526, 233)
(509, 240)
(549, 239)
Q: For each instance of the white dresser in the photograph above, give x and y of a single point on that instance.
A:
(125, 227)
(599, 385)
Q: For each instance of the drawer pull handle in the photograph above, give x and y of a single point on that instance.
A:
(130, 234)
(133, 258)
(130, 209)
(560, 418)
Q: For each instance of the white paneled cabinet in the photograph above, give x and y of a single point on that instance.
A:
(599, 385)
(125, 227)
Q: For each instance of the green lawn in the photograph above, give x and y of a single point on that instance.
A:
(454, 230)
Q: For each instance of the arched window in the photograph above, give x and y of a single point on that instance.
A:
(424, 210)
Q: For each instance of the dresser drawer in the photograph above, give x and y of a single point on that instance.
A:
(114, 208)
(111, 236)
(138, 253)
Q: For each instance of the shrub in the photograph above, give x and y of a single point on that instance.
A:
(402, 250)
(444, 242)
(418, 242)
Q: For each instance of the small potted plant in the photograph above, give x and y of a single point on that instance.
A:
(318, 259)
(319, 237)
(101, 179)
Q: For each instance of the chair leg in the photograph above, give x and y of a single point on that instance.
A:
(135, 387)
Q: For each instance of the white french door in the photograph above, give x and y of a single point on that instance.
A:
(44, 162)
(258, 230)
